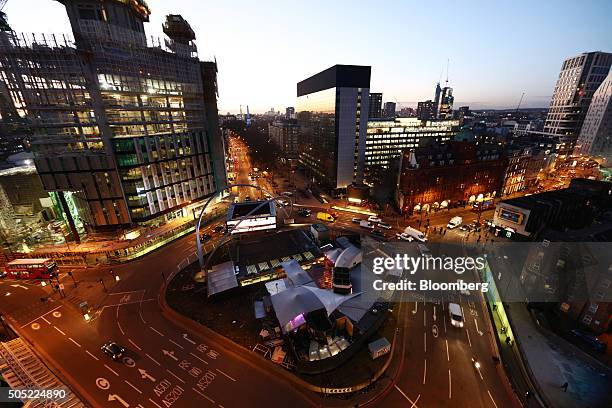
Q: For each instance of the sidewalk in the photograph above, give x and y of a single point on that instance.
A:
(553, 362)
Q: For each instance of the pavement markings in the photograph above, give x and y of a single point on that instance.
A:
(227, 375)
(155, 403)
(48, 322)
(128, 383)
(72, 340)
(154, 360)
(43, 315)
(447, 355)
(134, 344)
(56, 328)
(156, 331)
(425, 341)
(424, 317)
(141, 318)
(119, 324)
(111, 370)
(468, 336)
(405, 396)
(450, 387)
(176, 344)
(91, 355)
(424, 371)
(204, 361)
(492, 400)
(176, 376)
(204, 395)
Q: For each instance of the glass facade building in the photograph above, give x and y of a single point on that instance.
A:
(332, 111)
(386, 139)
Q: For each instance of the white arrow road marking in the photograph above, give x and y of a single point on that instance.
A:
(188, 339)
(115, 397)
(476, 323)
(170, 354)
(145, 375)
(19, 286)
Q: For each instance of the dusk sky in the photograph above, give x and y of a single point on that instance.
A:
(497, 49)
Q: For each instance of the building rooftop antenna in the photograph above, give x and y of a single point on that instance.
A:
(447, 66)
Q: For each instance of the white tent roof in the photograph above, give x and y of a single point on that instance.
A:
(296, 276)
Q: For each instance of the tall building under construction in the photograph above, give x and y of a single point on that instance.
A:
(124, 127)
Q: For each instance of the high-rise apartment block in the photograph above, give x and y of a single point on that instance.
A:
(596, 133)
(285, 134)
(375, 110)
(389, 110)
(426, 110)
(579, 78)
(124, 131)
(331, 111)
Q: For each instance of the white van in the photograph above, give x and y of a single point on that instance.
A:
(454, 222)
(415, 234)
(456, 315)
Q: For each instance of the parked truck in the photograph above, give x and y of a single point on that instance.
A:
(454, 222)
(323, 216)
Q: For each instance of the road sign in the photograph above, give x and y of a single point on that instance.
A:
(102, 383)
(61, 286)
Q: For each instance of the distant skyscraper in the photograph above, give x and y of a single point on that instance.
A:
(290, 112)
(596, 133)
(375, 110)
(445, 108)
(332, 127)
(426, 110)
(389, 110)
(123, 132)
(580, 76)
(437, 96)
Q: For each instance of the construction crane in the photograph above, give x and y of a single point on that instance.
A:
(520, 101)
(4, 25)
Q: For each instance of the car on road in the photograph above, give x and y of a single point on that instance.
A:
(356, 220)
(219, 228)
(2, 274)
(465, 227)
(304, 212)
(205, 237)
(378, 234)
(404, 237)
(113, 350)
(247, 198)
(476, 226)
(366, 225)
(287, 194)
(454, 222)
(374, 218)
(589, 340)
(456, 314)
(384, 225)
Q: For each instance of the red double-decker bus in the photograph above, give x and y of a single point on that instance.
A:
(34, 268)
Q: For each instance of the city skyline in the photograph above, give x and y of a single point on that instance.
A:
(491, 63)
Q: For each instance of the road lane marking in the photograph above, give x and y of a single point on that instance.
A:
(156, 331)
(188, 339)
(111, 370)
(176, 376)
(204, 361)
(72, 340)
(204, 395)
(141, 318)
(450, 388)
(56, 328)
(227, 375)
(134, 344)
(154, 360)
(405, 396)
(119, 324)
(424, 371)
(425, 341)
(46, 321)
(492, 400)
(424, 317)
(468, 336)
(128, 383)
(155, 403)
(176, 344)
(92, 356)
(447, 355)
(44, 314)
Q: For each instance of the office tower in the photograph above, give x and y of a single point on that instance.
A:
(596, 133)
(437, 95)
(580, 76)
(426, 110)
(445, 108)
(290, 112)
(124, 132)
(375, 110)
(386, 139)
(462, 113)
(332, 126)
(389, 111)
